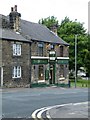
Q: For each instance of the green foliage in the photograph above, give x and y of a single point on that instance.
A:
(80, 83)
(49, 21)
(87, 56)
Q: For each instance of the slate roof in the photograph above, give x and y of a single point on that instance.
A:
(40, 32)
(11, 35)
(30, 30)
(8, 34)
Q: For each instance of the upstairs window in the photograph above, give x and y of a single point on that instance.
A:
(52, 46)
(16, 49)
(40, 49)
(16, 72)
(61, 51)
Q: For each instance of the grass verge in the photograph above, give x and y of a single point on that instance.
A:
(80, 83)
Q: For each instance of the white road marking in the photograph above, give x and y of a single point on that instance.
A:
(35, 112)
(80, 103)
(72, 113)
(38, 113)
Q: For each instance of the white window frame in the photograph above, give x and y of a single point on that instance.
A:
(16, 72)
(16, 49)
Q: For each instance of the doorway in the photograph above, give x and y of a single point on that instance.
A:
(52, 74)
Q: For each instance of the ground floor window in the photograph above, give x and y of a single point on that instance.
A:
(16, 72)
(61, 70)
(41, 72)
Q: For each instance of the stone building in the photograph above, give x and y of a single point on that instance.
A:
(31, 53)
(14, 59)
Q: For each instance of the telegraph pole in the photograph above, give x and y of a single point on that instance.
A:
(75, 60)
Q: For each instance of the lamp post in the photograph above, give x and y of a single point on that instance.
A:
(75, 60)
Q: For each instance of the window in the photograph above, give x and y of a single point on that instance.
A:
(62, 70)
(40, 49)
(16, 49)
(41, 70)
(52, 46)
(61, 51)
(16, 72)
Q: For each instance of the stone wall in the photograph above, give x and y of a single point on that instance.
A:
(9, 61)
(46, 49)
(34, 49)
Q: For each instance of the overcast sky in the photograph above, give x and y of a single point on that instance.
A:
(33, 10)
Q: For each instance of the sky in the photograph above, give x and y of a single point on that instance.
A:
(34, 10)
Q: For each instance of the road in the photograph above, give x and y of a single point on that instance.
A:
(20, 103)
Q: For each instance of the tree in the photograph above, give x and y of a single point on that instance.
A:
(49, 21)
(87, 56)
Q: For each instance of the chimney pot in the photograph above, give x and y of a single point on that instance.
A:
(11, 9)
(16, 8)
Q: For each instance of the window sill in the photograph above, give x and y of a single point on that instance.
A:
(16, 77)
(16, 55)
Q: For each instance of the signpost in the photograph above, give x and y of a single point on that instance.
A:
(39, 61)
(52, 57)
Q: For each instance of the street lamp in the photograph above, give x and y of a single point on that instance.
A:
(75, 60)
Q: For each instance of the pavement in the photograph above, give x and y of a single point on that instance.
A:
(72, 110)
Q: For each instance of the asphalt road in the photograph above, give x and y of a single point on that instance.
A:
(20, 103)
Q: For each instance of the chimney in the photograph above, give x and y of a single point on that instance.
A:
(11, 9)
(14, 18)
(15, 7)
(53, 28)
